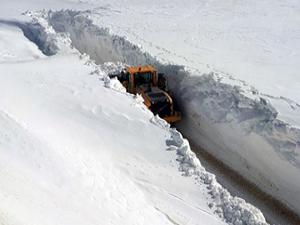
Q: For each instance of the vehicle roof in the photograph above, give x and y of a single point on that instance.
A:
(140, 69)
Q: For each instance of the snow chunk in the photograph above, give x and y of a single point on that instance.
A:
(114, 84)
(44, 36)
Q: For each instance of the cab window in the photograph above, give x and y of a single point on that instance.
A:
(143, 78)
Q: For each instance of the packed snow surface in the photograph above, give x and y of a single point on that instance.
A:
(77, 149)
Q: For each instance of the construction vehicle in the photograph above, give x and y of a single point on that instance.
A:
(145, 80)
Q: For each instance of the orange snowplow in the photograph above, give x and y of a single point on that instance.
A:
(145, 80)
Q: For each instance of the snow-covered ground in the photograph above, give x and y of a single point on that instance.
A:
(238, 89)
(76, 149)
(241, 96)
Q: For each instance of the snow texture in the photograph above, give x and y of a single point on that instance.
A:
(86, 152)
(126, 52)
(234, 124)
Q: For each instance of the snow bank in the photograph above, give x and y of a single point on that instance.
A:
(233, 209)
(96, 41)
(11, 53)
(244, 133)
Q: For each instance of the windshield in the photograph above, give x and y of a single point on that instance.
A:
(143, 78)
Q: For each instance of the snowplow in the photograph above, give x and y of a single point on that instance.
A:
(152, 86)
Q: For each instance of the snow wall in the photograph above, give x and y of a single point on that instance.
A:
(242, 132)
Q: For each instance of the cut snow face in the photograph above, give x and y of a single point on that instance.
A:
(9, 32)
(36, 33)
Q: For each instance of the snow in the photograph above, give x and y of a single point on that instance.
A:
(256, 42)
(212, 108)
(76, 149)
(102, 151)
(22, 50)
(65, 152)
(239, 87)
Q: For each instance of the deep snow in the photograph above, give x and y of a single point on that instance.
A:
(236, 124)
(252, 125)
(76, 149)
(253, 44)
(22, 50)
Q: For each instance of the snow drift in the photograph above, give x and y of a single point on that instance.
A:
(239, 128)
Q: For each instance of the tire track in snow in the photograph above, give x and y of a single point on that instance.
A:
(167, 216)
